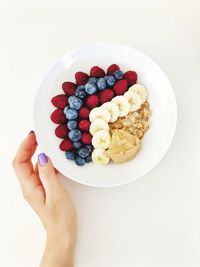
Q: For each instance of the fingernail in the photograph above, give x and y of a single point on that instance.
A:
(31, 132)
(42, 158)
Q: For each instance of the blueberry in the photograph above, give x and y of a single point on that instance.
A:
(83, 152)
(75, 102)
(101, 84)
(80, 91)
(70, 155)
(77, 144)
(65, 109)
(71, 114)
(118, 74)
(90, 88)
(110, 80)
(92, 80)
(90, 147)
(72, 124)
(80, 161)
(88, 159)
(75, 135)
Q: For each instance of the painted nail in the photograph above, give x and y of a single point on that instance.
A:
(31, 132)
(42, 158)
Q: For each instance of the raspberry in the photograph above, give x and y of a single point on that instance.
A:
(97, 72)
(112, 68)
(92, 101)
(86, 138)
(106, 95)
(60, 101)
(61, 131)
(84, 112)
(81, 78)
(66, 145)
(58, 116)
(84, 125)
(120, 87)
(131, 77)
(69, 88)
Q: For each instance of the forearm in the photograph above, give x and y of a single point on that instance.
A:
(59, 252)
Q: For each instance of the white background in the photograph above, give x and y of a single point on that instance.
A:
(154, 221)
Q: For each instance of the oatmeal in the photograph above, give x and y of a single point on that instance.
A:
(136, 123)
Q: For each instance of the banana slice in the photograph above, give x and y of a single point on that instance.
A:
(122, 104)
(97, 125)
(99, 156)
(101, 139)
(99, 113)
(140, 90)
(113, 109)
(134, 100)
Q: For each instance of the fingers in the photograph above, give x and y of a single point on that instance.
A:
(47, 174)
(42, 174)
(22, 162)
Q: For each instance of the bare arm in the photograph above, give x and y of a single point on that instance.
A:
(50, 201)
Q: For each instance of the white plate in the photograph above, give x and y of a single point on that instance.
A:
(162, 101)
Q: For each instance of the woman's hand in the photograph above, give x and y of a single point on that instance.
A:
(46, 195)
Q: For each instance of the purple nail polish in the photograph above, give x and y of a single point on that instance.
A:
(31, 132)
(42, 158)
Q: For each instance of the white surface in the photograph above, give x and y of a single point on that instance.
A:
(162, 121)
(154, 221)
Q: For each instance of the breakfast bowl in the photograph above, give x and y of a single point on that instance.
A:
(162, 122)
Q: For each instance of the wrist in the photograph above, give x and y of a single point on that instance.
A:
(62, 237)
(59, 251)
(64, 241)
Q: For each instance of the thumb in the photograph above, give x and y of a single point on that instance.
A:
(47, 174)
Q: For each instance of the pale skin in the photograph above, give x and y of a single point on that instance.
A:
(52, 203)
